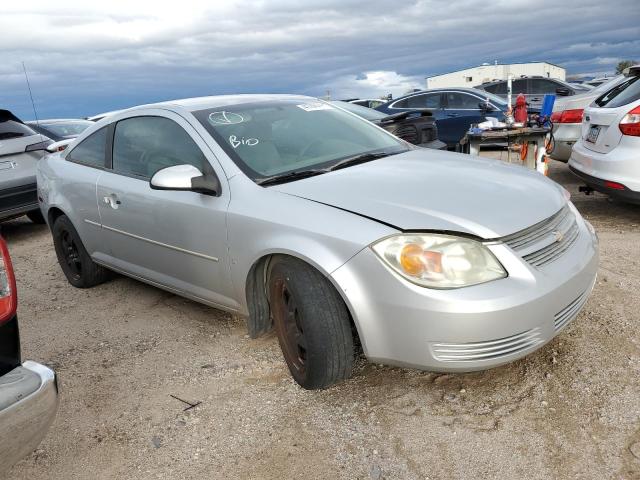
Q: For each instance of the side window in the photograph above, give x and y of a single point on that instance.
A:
(519, 86)
(401, 104)
(499, 88)
(144, 145)
(91, 151)
(424, 101)
(462, 101)
(540, 85)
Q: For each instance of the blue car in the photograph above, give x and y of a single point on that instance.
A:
(454, 109)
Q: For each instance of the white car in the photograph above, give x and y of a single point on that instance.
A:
(607, 156)
(567, 118)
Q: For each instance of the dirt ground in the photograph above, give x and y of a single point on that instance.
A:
(124, 351)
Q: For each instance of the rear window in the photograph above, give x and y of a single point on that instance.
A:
(624, 94)
(12, 127)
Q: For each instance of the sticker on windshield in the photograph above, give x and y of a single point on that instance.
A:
(235, 142)
(312, 107)
(225, 118)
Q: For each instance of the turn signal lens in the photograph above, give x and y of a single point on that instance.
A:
(439, 261)
(411, 259)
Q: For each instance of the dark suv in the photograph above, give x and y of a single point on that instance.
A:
(534, 88)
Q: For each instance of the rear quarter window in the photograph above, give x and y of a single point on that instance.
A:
(91, 151)
(625, 93)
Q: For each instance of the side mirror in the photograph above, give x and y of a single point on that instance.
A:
(485, 107)
(563, 92)
(186, 178)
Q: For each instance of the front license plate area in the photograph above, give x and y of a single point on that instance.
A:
(592, 136)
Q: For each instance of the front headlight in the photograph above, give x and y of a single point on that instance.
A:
(438, 260)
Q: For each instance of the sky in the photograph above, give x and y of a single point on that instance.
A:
(83, 59)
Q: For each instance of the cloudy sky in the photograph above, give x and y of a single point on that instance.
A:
(83, 59)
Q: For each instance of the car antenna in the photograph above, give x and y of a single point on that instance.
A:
(33, 104)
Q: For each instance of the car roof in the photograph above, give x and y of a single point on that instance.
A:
(55, 120)
(443, 89)
(203, 103)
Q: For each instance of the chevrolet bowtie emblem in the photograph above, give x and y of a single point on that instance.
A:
(558, 235)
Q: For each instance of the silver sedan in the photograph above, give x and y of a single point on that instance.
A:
(309, 220)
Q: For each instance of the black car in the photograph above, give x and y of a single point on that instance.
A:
(416, 127)
(533, 88)
(60, 129)
(28, 390)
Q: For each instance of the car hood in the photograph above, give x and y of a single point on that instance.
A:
(443, 191)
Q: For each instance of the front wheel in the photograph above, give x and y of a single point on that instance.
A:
(75, 261)
(312, 324)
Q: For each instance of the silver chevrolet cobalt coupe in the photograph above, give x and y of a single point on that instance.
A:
(307, 219)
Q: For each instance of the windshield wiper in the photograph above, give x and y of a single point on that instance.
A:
(288, 177)
(362, 158)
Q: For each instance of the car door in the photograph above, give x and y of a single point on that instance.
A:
(461, 109)
(177, 239)
(82, 166)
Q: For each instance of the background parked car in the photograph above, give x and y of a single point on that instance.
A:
(533, 88)
(596, 82)
(20, 149)
(607, 156)
(414, 127)
(567, 118)
(60, 129)
(454, 109)
(28, 390)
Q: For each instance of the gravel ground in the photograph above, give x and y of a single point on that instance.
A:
(124, 351)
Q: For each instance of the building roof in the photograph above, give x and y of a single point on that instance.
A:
(493, 65)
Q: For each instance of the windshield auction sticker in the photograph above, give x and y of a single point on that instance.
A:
(312, 107)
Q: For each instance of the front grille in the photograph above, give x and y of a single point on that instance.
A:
(568, 313)
(489, 350)
(545, 241)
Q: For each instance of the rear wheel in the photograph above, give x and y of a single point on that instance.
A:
(312, 323)
(80, 270)
(36, 216)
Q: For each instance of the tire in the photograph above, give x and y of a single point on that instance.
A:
(36, 217)
(80, 270)
(312, 324)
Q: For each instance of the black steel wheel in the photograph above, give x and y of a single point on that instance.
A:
(81, 271)
(312, 323)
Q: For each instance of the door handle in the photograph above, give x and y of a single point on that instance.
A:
(453, 115)
(112, 201)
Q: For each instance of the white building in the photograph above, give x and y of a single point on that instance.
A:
(487, 72)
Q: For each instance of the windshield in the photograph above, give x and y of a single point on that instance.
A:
(67, 129)
(278, 137)
(364, 112)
